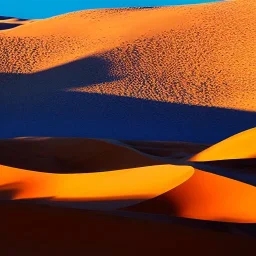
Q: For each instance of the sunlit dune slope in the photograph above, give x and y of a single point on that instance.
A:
(199, 54)
(239, 146)
(71, 155)
(35, 229)
(123, 185)
(206, 196)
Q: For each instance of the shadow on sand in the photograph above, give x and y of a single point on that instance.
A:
(40, 105)
(5, 26)
(82, 206)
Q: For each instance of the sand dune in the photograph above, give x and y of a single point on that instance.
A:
(111, 175)
(183, 71)
(101, 190)
(239, 146)
(106, 93)
(212, 54)
(206, 196)
(71, 155)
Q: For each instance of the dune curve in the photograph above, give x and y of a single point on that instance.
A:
(206, 196)
(239, 146)
(124, 185)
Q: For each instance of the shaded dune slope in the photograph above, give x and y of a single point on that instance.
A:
(191, 70)
(71, 155)
(211, 190)
(206, 196)
(210, 196)
(10, 22)
(47, 229)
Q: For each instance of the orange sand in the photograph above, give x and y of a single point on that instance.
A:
(239, 146)
(193, 194)
(200, 54)
(206, 196)
(138, 183)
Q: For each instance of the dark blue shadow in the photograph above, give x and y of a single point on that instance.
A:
(40, 105)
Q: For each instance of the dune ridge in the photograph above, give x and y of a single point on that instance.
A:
(167, 184)
(123, 185)
(228, 149)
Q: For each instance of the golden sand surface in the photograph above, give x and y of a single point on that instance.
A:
(197, 55)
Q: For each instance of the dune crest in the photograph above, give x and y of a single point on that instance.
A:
(172, 190)
(206, 196)
(132, 184)
(239, 146)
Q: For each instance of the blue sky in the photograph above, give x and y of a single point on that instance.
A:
(46, 8)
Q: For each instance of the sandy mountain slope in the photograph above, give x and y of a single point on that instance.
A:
(168, 74)
(200, 54)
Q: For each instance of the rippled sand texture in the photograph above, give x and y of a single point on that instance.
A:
(201, 54)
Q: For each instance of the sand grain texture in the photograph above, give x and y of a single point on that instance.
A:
(200, 55)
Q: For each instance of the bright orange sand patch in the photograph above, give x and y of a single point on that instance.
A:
(138, 183)
(42, 230)
(168, 189)
(200, 54)
(239, 146)
(206, 196)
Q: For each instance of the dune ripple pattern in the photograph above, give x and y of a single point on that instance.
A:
(130, 69)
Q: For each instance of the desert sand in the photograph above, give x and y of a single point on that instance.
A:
(239, 146)
(135, 72)
(44, 169)
(145, 113)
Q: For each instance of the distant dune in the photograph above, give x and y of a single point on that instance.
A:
(180, 70)
(201, 55)
(10, 22)
(239, 146)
